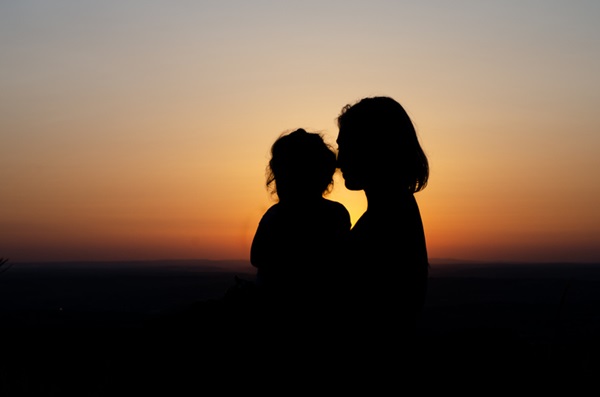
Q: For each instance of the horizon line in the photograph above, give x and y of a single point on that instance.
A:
(432, 261)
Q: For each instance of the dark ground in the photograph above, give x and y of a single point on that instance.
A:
(90, 329)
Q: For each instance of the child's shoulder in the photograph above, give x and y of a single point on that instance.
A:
(332, 203)
(279, 211)
(335, 206)
(273, 209)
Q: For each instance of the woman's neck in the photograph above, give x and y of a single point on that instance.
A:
(301, 199)
(383, 198)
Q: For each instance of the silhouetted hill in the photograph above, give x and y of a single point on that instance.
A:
(126, 292)
(565, 270)
(495, 321)
(109, 294)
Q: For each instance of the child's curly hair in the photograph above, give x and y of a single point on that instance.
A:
(302, 164)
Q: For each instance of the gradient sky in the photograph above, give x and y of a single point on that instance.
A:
(141, 129)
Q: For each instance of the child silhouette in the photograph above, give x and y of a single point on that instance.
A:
(297, 239)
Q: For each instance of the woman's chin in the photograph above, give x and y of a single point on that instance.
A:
(353, 185)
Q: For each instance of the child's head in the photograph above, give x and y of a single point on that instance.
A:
(302, 165)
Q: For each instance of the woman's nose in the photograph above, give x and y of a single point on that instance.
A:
(339, 161)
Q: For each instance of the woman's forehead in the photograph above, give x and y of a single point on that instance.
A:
(349, 136)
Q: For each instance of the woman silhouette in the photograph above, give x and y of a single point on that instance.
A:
(379, 152)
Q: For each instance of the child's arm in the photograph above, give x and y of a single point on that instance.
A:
(261, 251)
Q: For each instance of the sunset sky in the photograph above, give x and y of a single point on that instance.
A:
(138, 129)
